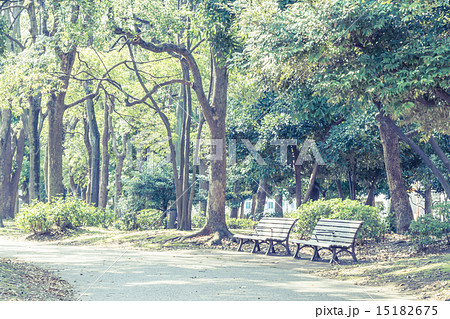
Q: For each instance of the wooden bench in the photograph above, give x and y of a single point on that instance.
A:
(271, 230)
(334, 235)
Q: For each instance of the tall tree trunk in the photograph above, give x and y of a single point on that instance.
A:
(103, 196)
(11, 148)
(261, 196)
(312, 181)
(298, 178)
(279, 204)
(34, 146)
(94, 138)
(87, 143)
(56, 111)
(253, 208)
(120, 158)
(428, 201)
(399, 195)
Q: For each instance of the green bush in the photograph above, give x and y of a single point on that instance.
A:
(143, 220)
(39, 217)
(238, 223)
(430, 228)
(198, 221)
(33, 218)
(308, 215)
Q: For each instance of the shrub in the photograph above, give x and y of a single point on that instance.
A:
(309, 214)
(430, 228)
(39, 217)
(198, 221)
(33, 218)
(238, 223)
(143, 220)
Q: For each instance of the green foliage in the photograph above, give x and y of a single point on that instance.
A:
(148, 189)
(433, 227)
(142, 220)
(238, 223)
(39, 217)
(198, 221)
(309, 214)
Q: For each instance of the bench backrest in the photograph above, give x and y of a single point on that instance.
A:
(339, 232)
(274, 227)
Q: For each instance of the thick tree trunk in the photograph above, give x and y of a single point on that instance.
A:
(261, 195)
(94, 138)
(399, 195)
(103, 196)
(298, 178)
(56, 109)
(242, 212)
(55, 147)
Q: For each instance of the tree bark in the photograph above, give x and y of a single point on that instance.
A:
(87, 143)
(34, 146)
(312, 181)
(298, 178)
(399, 195)
(94, 138)
(103, 196)
(428, 201)
(261, 195)
(11, 148)
(279, 204)
(371, 196)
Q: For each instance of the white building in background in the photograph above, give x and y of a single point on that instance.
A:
(288, 207)
(417, 202)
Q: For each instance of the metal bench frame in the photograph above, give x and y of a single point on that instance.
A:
(271, 230)
(334, 235)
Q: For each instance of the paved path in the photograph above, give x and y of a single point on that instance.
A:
(119, 274)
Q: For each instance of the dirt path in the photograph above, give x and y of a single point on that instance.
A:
(119, 274)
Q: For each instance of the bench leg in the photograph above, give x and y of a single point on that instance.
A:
(271, 248)
(334, 258)
(241, 242)
(297, 251)
(352, 252)
(256, 247)
(288, 251)
(316, 255)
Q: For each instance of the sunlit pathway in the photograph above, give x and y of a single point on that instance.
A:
(118, 274)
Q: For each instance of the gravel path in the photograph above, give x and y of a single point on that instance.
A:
(103, 274)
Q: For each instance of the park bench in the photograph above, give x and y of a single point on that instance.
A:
(334, 235)
(270, 230)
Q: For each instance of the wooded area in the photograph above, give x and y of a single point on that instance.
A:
(182, 104)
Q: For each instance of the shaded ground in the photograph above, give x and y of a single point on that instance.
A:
(394, 262)
(25, 282)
